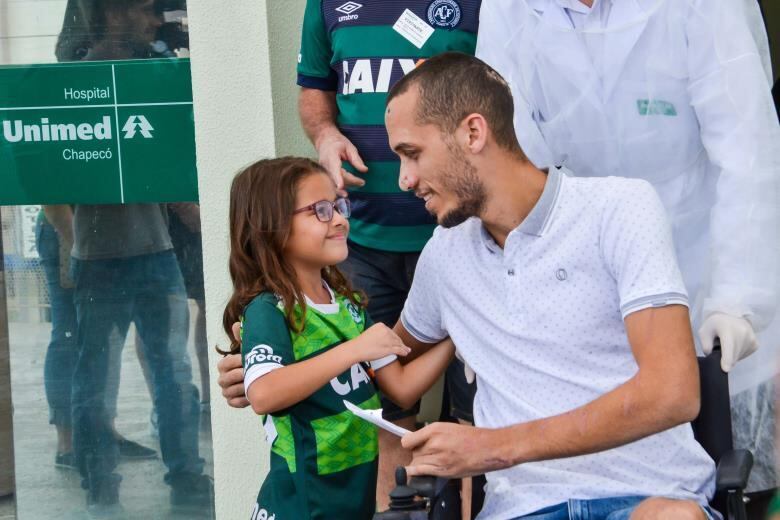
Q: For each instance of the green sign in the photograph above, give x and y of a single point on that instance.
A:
(97, 133)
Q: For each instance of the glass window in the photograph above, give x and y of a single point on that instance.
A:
(102, 330)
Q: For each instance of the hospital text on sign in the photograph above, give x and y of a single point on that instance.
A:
(97, 133)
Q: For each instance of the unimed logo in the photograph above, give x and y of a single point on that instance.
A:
(137, 123)
(17, 131)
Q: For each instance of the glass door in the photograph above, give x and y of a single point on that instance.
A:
(102, 330)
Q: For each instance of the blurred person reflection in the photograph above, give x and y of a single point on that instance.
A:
(184, 227)
(124, 269)
(53, 240)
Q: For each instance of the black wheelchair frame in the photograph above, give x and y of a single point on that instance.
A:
(433, 498)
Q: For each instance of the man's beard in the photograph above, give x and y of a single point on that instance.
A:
(461, 179)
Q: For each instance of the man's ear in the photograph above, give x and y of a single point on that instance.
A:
(476, 132)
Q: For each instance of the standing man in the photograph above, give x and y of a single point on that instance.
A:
(125, 270)
(673, 92)
(351, 54)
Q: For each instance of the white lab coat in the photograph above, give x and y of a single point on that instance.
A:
(674, 92)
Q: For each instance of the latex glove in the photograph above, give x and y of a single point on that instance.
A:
(737, 338)
(467, 371)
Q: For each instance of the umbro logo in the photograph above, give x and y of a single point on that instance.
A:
(347, 9)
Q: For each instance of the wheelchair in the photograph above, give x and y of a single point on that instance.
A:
(435, 498)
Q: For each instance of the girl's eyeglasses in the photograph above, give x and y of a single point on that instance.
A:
(323, 209)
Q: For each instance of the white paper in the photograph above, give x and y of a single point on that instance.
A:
(413, 28)
(375, 417)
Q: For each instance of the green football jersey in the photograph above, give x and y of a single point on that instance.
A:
(323, 457)
(351, 48)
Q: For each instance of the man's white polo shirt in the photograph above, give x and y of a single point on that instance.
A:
(541, 324)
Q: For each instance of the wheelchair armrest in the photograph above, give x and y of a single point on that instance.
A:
(427, 486)
(734, 470)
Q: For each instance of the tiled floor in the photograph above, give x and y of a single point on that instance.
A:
(43, 491)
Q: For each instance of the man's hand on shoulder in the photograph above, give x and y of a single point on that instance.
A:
(737, 338)
(456, 450)
(231, 380)
(231, 375)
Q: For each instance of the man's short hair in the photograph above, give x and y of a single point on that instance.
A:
(453, 85)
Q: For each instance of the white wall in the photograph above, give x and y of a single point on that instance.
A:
(234, 125)
(284, 29)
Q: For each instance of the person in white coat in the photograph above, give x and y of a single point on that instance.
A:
(676, 92)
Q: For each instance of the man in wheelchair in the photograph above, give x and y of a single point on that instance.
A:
(564, 296)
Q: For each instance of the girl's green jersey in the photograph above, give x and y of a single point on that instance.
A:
(323, 458)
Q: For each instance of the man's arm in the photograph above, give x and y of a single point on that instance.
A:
(664, 393)
(60, 216)
(317, 109)
(418, 347)
(405, 383)
(188, 213)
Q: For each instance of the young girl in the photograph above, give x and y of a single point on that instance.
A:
(308, 345)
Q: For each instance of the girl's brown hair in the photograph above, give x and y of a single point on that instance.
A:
(262, 201)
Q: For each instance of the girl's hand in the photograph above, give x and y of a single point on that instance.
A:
(377, 342)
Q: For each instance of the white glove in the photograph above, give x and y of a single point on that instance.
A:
(467, 371)
(737, 339)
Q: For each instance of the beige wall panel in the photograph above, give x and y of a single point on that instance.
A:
(284, 32)
(234, 125)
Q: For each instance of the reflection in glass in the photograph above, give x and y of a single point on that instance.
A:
(99, 301)
(73, 307)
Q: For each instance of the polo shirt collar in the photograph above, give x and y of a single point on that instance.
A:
(537, 221)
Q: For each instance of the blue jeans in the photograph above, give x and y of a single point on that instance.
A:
(613, 508)
(149, 291)
(62, 350)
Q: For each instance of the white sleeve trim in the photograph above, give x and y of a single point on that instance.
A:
(657, 300)
(255, 372)
(416, 334)
(379, 364)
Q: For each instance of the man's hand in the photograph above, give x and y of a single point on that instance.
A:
(319, 113)
(455, 450)
(737, 338)
(231, 380)
(333, 148)
(376, 342)
(231, 375)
